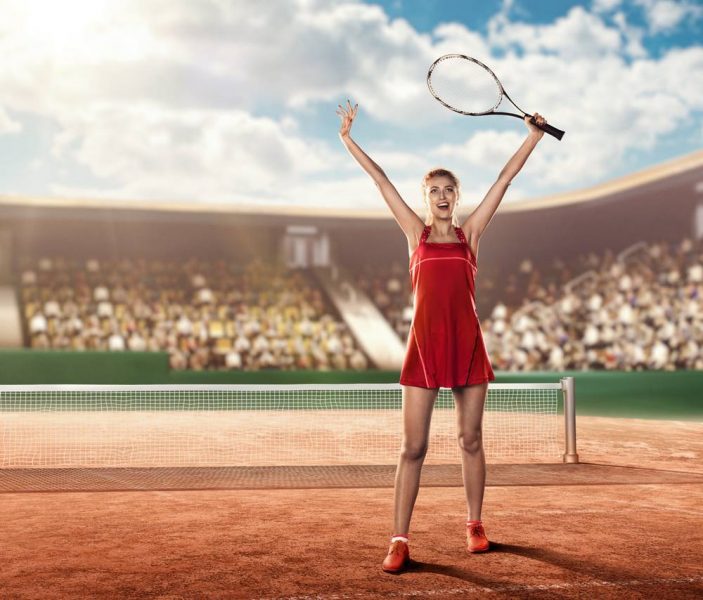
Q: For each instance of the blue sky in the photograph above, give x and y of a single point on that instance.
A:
(425, 14)
(203, 101)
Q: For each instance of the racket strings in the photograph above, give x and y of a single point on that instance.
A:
(464, 86)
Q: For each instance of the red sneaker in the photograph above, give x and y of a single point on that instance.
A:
(476, 537)
(398, 556)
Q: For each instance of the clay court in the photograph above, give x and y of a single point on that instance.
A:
(625, 523)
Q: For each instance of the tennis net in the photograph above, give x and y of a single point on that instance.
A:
(74, 426)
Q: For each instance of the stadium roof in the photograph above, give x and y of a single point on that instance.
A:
(669, 171)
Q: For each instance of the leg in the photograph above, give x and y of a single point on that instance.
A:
(417, 412)
(469, 404)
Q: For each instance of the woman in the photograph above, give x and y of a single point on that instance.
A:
(445, 345)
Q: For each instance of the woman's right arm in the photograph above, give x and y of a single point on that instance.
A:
(409, 222)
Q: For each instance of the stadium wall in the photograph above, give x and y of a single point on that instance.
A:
(637, 394)
(657, 213)
(649, 208)
(109, 236)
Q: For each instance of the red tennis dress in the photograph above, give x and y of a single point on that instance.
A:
(445, 344)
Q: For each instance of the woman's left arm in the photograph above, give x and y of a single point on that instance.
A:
(478, 220)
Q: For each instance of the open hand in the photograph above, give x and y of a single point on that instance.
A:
(346, 114)
(534, 130)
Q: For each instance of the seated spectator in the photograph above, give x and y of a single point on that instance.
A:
(115, 342)
(37, 324)
(233, 360)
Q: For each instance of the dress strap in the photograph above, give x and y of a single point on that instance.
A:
(460, 235)
(425, 234)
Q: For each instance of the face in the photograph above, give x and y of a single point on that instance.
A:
(441, 196)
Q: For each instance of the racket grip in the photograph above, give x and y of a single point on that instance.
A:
(547, 128)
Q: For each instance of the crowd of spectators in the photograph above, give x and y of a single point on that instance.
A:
(642, 312)
(389, 288)
(206, 315)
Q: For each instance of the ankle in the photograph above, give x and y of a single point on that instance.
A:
(403, 537)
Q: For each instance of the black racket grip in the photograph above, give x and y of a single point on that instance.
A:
(547, 128)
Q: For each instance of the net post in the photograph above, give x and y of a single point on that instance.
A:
(570, 455)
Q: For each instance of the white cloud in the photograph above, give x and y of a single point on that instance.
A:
(213, 100)
(485, 147)
(666, 15)
(632, 35)
(600, 6)
(160, 153)
(570, 36)
(7, 124)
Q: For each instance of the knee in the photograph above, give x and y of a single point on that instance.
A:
(413, 451)
(471, 442)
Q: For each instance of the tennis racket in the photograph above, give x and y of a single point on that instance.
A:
(468, 87)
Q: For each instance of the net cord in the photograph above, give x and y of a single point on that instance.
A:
(248, 388)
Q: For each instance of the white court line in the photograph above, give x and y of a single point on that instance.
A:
(496, 589)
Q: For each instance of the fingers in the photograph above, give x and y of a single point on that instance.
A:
(539, 119)
(351, 110)
(348, 111)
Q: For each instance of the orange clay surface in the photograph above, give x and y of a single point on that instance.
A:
(585, 537)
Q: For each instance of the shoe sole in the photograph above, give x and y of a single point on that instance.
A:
(399, 569)
(479, 550)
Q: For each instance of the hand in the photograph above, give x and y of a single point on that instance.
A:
(347, 114)
(533, 129)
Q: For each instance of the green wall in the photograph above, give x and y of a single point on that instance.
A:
(62, 366)
(644, 394)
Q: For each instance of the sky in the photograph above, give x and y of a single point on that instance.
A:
(233, 102)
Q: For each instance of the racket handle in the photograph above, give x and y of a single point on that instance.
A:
(547, 128)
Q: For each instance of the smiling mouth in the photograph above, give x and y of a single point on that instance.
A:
(443, 205)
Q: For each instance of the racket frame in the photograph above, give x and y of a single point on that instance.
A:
(557, 133)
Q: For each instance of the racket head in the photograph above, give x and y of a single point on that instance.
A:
(464, 84)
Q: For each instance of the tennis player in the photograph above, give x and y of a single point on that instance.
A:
(445, 346)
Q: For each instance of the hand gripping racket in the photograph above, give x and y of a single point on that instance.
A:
(468, 87)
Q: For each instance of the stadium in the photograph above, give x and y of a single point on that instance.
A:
(212, 329)
(148, 301)
(237, 290)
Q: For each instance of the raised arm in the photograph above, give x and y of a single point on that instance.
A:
(478, 220)
(409, 222)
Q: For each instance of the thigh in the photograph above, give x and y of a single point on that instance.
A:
(418, 404)
(470, 402)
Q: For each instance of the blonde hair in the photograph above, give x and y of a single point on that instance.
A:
(439, 172)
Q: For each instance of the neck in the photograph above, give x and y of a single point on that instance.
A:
(442, 228)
